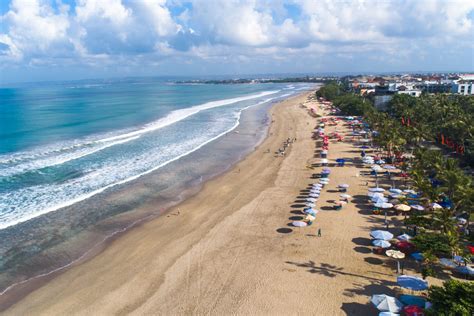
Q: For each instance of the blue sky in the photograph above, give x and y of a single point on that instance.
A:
(75, 39)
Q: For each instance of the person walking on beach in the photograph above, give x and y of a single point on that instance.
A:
(319, 232)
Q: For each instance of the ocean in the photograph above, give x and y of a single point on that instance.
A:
(71, 153)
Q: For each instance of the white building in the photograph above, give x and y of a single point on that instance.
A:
(464, 87)
(413, 92)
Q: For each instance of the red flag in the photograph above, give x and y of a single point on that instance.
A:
(403, 120)
(442, 139)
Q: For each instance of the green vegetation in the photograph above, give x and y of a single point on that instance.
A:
(454, 298)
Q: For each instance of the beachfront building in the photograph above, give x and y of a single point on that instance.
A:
(413, 92)
(464, 87)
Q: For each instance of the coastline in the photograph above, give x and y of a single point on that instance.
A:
(18, 293)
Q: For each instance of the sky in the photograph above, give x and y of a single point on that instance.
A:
(76, 39)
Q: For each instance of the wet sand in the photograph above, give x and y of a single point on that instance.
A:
(229, 249)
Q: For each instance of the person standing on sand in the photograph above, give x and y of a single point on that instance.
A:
(319, 232)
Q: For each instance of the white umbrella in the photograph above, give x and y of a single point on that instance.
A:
(381, 234)
(402, 207)
(310, 217)
(409, 191)
(311, 199)
(341, 202)
(375, 194)
(396, 191)
(345, 196)
(381, 243)
(344, 185)
(417, 207)
(315, 191)
(386, 303)
(404, 237)
(435, 206)
(310, 205)
(324, 180)
(299, 224)
(314, 195)
(389, 167)
(395, 254)
(376, 190)
(379, 200)
(324, 160)
(383, 205)
(462, 221)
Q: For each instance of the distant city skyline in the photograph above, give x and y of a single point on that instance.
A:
(44, 40)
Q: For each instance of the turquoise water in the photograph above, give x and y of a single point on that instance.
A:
(63, 143)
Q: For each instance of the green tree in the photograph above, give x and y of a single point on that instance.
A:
(454, 298)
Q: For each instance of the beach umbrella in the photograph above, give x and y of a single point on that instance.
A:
(345, 196)
(299, 224)
(313, 195)
(417, 256)
(326, 170)
(376, 190)
(317, 185)
(395, 254)
(458, 259)
(324, 151)
(365, 140)
(340, 202)
(344, 186)
(396, 191)
(462, 221)
(465, 270)
(412, 282)
(412, 310)
(310, 217)
(404, 237)
(381, 234)
(383, 205)
(405, 246)
(379, 200)
(311, 200)
(435, 206)
(324, 161)
(447, 263)
(395, 196)
(376, 168)
(311, 211)
(389, 167)
(471, 249)
(388, 314)
(375, 194)
(317, 191)
(310, 205)
(381, 243)
(402, 207)
(412, 300)
(417, 207)
(386, 303)
(409, 191)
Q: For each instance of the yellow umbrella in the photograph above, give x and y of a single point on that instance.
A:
(310, 217)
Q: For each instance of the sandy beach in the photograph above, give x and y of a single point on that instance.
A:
(229, 249)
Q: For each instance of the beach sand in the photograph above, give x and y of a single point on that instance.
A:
(229, 249)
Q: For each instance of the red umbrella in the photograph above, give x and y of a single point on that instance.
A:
(471, 249)
(413, 310)
(405, 246)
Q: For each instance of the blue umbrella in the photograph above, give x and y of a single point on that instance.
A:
(381, 243)
(412, 282)
(465, 270)
(381, 234)
(417, 256)
(413, 300)
(376, 190)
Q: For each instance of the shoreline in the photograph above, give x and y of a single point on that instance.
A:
(24, 288)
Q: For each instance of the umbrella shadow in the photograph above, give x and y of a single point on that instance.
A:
(298, 205)
(296, 218)
(357, 309)
(296, 212)
(361, 241)
(284, 230)
(361, 249)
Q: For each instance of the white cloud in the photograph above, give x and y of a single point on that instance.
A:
(240, 31)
